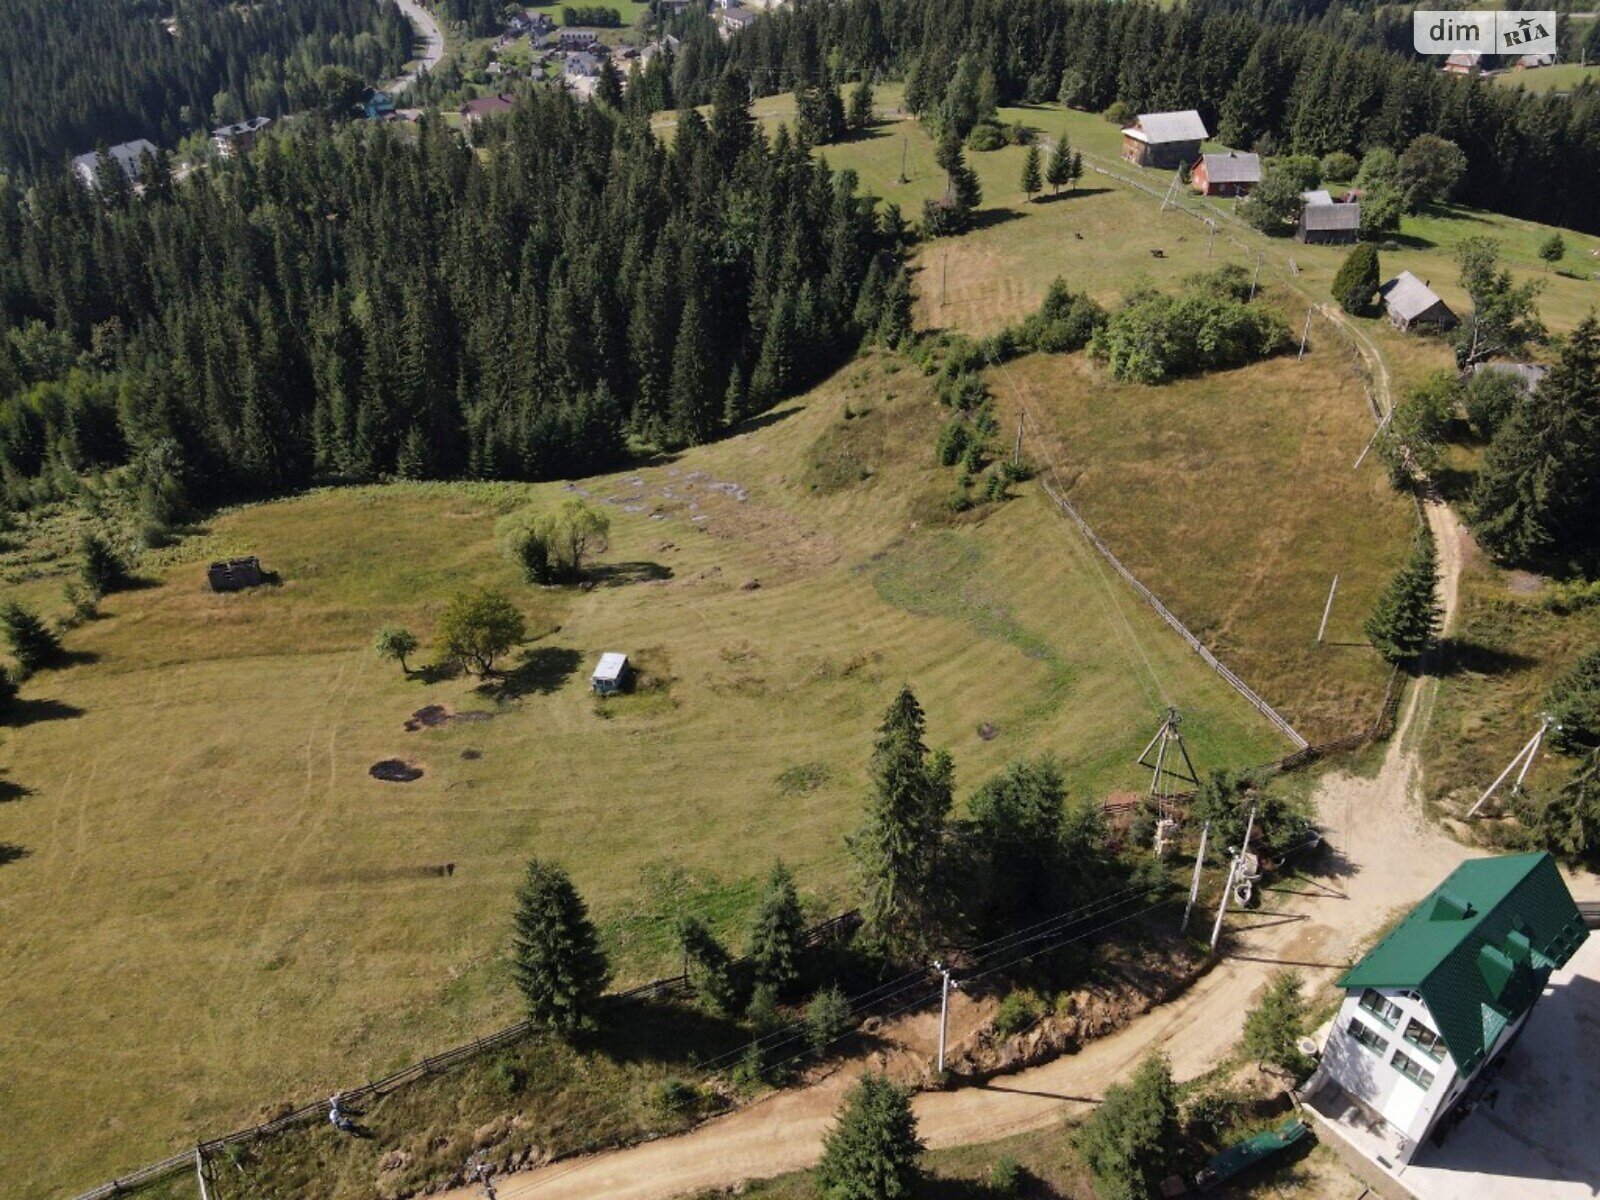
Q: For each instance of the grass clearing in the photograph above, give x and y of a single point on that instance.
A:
(217, 901)
(1559, 77)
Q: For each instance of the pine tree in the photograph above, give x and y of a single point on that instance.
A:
(555, 955)
(1357, 281)
(1273, 1028)
(860, 116)
(777, 938)
(1406, 618)
(895, 316)
(33, 644)
(897, 848)
(1539, 486)
(691, 409)
(103, 570)
(1569, 821)
(1058, 174)
(872, 1152)
(1032, 178)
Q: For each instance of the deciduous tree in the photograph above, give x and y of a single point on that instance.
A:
(479, 626)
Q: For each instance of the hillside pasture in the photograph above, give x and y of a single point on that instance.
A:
(214, 907)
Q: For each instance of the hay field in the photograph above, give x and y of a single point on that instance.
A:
(213, 908)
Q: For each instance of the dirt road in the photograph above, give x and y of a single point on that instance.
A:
(432, 39)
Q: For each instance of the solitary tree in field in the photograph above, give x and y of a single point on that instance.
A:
(860, 115)
(1032, 175)
(1058, 172)
(1273, 1027)
(1357, 281)
(102, 569)
(1505, 316)
(555, 954)
(897, 849)
(1407, 616)
(777, 937)
(1128, 1141)
(478, 626)
(33, 644)
(1553, 249)
(873, 1151)
(395, 643)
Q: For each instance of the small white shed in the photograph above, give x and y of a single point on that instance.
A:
(610, 675)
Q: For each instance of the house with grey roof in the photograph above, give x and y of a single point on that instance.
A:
(127, 155)
(732, 18)
(231, 140)
(1410, 302)
(1166, 139)
(1431, 1007)
(1326, 223)
(1235, 173)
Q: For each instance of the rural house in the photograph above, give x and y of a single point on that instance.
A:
(1411, 302)
(230, 140)
(127, 155)
(1168, 139)
(732, 18)
(1434, 1003)
(1232, 174)
(611, 675)
(1468, 62)
(474, 111)
(1329, 223)
(577, 39)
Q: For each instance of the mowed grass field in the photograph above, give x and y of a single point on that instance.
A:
(1562, 77)
(210, 908)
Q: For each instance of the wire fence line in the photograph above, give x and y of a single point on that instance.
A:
(656, 989)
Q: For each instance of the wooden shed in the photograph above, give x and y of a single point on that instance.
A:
(1410, 302)
(1329, 224)
(1168, 139)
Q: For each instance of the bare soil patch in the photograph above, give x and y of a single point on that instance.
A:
(396, 770)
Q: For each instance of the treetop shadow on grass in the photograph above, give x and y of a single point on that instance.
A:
(10, 852)
(623, 573)
(770, 417)
(634, 1030)
(12, 791)
(539, 671)
(1457, 656)
(988, 218)
(31, 712)
(1075, 194)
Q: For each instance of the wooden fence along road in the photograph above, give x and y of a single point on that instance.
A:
(317, 1110)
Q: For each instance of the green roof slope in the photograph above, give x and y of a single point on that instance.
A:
(1479, 948)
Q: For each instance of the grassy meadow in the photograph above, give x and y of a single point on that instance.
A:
(211, 897)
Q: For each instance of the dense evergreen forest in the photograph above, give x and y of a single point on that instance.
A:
(350, 302)
(75, 74)
(1274, 75)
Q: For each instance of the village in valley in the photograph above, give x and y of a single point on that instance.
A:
(857, 599)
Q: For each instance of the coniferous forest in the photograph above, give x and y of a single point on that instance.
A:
(81, 73)
(351, 302)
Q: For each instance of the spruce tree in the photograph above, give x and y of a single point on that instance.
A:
(692, 412)
(1129, 1141)
(103, 570)
(556, 957)
(1569, 821)
(1406, 618)
(33, 644)
(1273, 1028)
(1358, 279)
(1058, 174)
(777, 938)
(872, 1152)
(860, 116)
(895, 318)
(1032, 176)
(897, 848)
(1539, 486)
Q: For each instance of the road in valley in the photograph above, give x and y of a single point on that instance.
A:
(432, 38)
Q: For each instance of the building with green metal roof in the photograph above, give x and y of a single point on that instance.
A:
(1432, 1004)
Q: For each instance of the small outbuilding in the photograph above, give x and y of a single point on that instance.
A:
(611, 675)
(1411, 302)
(1329, 224)
(1235, 173)
(235, 574)
(1167, 139)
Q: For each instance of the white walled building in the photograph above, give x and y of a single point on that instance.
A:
(1434, 1003)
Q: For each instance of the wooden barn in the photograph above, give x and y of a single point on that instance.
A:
(1232, 174)
(1329, 224)
(1169, 139)
(1410, 302)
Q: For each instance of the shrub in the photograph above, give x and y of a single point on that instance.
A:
(1020, 1010)
(952, 443)
(32, 643)
(1064, 322)
(675, 1098)
(828, 1018)
(1006, 1177)
(1339, 166)
(102, 570)
(987, 136)
(1118, 113)
(1156, 337)
(1490, 398)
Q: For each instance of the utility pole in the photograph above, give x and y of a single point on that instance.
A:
(1256, 278)
(1306, 333)
(944, 278)
(1016, 455)
(944, 1007)
(1212, 240)
(1328, 608)
(1249, 827)
(1524, 759)
(1222, 908)
(903, 145)
(200, 1173)
(1194, 884)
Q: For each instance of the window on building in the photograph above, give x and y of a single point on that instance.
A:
(1385, 1009)
(1410, 995)
(1412, 1069)
(1368, 1036)
(1425, 1039)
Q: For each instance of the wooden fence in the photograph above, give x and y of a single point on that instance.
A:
(657, 989)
